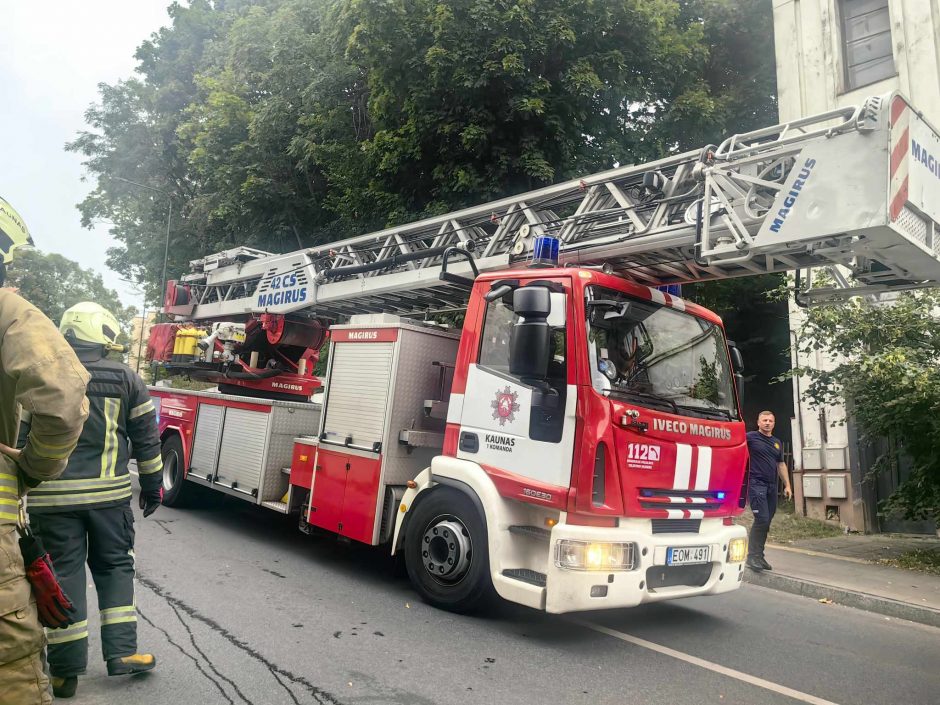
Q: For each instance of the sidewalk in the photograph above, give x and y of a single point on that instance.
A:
(840, 569)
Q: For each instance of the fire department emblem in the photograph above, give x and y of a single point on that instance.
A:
(505, 406)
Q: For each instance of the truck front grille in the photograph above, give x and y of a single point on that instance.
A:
(676, 526)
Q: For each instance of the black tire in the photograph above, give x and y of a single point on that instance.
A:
(175, 492)
(449, 571)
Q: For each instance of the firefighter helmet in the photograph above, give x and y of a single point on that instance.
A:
(13, 232)
(89, 322)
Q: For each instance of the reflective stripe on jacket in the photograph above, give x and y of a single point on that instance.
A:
(122, 424)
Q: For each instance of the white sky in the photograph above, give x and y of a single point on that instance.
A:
(53, 55)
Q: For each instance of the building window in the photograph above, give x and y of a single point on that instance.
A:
(866, 42)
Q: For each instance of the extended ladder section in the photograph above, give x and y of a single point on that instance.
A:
(857, 187)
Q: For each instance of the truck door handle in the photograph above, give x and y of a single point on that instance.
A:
(469, 442)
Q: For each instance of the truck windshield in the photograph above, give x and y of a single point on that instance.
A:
(658, 356)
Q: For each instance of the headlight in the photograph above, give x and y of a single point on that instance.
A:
(587, 555)
(737, 550)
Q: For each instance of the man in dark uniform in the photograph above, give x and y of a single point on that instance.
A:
(766, 458)
(87, 512)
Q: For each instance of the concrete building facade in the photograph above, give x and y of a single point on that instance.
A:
(830, 54)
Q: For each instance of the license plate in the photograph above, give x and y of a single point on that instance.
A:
(687, 555)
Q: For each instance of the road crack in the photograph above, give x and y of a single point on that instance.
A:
(322, 697)
(140, 613)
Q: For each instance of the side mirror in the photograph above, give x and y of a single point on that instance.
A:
(739, 385)
(737, 366)
(531, 337)
(737, 360)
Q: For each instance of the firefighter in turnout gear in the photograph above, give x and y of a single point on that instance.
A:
(88, 512)
(40, 374)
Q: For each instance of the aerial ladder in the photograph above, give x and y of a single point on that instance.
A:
(561, 418)
(817, 192)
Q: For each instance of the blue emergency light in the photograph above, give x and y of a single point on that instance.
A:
(671, 289)
(545, 252)
(720, 495)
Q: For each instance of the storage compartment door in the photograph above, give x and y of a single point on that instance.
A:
(205, 455)
(242, 456)
(359, 519)
(357, 394)
(329, 486)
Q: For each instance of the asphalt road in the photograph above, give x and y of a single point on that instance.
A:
(242, 609)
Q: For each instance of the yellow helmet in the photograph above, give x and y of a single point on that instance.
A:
(89, 322)
(13, 232)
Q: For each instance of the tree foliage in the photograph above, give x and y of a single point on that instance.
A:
(285, 123)
(53, 283)
(888, 368)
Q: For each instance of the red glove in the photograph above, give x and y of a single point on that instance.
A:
(150, 500)
(55, 608)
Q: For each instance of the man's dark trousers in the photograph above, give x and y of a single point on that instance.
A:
(106, 537)
(763, 501)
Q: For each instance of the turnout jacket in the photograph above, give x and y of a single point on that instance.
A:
(40, 374)
(122, 423)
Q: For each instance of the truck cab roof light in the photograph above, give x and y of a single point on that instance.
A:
(545, 251)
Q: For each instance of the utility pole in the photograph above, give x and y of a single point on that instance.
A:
(140, 342)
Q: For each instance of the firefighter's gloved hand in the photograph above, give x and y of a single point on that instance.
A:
(150, 500)
(55, 608)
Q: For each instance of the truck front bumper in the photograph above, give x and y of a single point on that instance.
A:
(651, 579)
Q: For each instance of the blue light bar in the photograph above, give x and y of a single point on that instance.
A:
(671, 289)
(545, 251)
(720, 495)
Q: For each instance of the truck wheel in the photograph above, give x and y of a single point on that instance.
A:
(174, 494)
(446, 552)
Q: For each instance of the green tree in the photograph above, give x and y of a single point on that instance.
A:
(280, 123)
(132, 136)
(54, 283)
(888, 369)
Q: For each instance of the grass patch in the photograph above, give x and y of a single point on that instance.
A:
(923, 560)
(788, 526)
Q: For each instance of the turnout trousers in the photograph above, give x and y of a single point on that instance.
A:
(106, 537)
(22, 680)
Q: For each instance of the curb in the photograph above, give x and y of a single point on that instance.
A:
(819, 554)
(848, 598)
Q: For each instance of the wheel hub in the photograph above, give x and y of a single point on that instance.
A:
(446, 549)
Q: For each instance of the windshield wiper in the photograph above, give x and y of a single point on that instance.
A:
(724, 414)
(647, 397)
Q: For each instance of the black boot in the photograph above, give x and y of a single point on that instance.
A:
(755, 546)
(64, 687)
(757, 539)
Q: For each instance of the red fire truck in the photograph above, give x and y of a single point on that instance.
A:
(577, 442)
